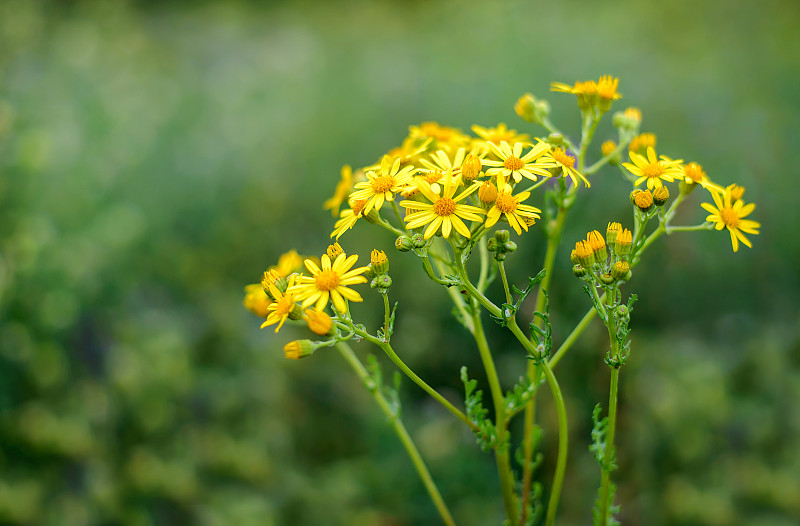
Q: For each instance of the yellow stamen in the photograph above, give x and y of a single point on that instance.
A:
(513, 163)
(382, 184)
(444, 206)
(563, 157)
(327, 280)
(729, 217)
(653, 170)
(505, 203)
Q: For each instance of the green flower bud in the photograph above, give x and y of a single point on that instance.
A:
(403, 244)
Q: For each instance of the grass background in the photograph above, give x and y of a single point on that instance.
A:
(155, 157)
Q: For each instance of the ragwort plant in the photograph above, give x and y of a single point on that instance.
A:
(441, 195)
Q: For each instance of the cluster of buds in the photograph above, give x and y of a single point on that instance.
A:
(500, 245)
(644, 200)
(532, 109)
(603, 260)
(378, 271)
(405, 243)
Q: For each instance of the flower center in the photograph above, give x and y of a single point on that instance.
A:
(327, 280)
(382, 184)
(433, 176)
(505, 203)
(653, 170)
(694, 172)
(513, 163)
(444, 206)
(358, 206)
(285, 305)
(729, 217)
(562, 157)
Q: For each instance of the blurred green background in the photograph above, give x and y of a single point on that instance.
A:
(157, 156)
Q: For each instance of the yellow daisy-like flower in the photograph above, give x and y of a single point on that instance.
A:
(729, 214)
(513, 165)
(566, 162)
(445, 137)
(444, 211)
(382, 186)
(642, 142)
(283, 305)
(341, 192)
(585, 91)
(349, 217)
(329, 281)
(693, 173)
(288, 263)
(653, 170)
(607, 90)
(499, 134)
(519, 216)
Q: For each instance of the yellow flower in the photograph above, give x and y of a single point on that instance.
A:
(653, 170)
(382, 186)
(567, 164)
(513, 164)
(349, 217)
(288, 263)
(329, 282)
(444, 211)
(256, 300)
(499, 134)
(608, 148)
(607, 91)
(283, 305)
(586, 92)
(729, 214)
(342, 191)
(641, 142)
(445, 137)
(318, 321)
(737, 192)
(519, 216)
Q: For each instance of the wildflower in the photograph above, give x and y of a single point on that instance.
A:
(516, 214)
(282, 307)
(651, 169)
(598, 245)
(736, 192)
(500, 134)
(273, 278)
(349, 217)
(382, 186)
(444, 211)
(530, 109)
(513, 164)
(612, 231)
(256, 300)
(642, 142)
(620, 270)
(318, 321)
(334, 250)
(288, 262)
(471, 168)
(299, 349)
(633, 114)
(643, 200)
(584, 254)
(622, 245)
(608, 148)
(567, 162)
(379, 262)
(445, 137)
(660, 195)
(607, 92)
(585, 91)
(329, 281)
(341, 192)
(730, 214)
(487, 193)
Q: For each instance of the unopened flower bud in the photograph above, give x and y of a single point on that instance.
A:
(584, 253)
(491, 244)
(644, 200)
(525, 107)
(334, 250)
(487, 193)
(633, 195)
(273, 278)
(318, 321)
(502, 236)
(509, 246)
(660, 195)
(555, 139)
(608, 147)
(573, 257)
(417, 240)
(622, 245)
(611, 233)
(381, 283)
(598, 245)
(622, 312)
(299, 349)
(620, 270)
(737, 192)
(403, 243)
(606, 279)
(379, 262)
(579, 271)
(471, 167)
(296, 313)
(373, 216)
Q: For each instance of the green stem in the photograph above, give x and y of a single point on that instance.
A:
(605, 478)
(509, 300)
(547, 125)
(705, 226)
(501, 424)
(563, 445)
(402, 433)
(536, 185)
(602, 162)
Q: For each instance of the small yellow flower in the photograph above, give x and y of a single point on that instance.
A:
(730, 214)
(519, 216)
(512, 164)
(584, 253)
(612, 231)
(633, 113)
(585, 91)
(598, 245)
(329, 281)
(653, 170)
(737, 192)
(445, 137)
(379, 262)
(289, 262)
(487, 193)
(622, 245)
(334, 250)
(256, 300)
(349, 217)
(444, 211)
(282, 307)
(608, 148)
(341, 192)
(318, 321)
(298, 349)
(607, 91)
(500, 134)
(566, 162)
(642, 142)
(643, 200)
(382, 186)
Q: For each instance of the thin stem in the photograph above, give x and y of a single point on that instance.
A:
(402, 433)
(397, 214)
(602, 162)
(501, 424)
(704, 226)
(509, 300)
(547, 125)
(483, 250)
(563, 445)
(426, 264)
(387, 311)
(537, 185)
(388, 226)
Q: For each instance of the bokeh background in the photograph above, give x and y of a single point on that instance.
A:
(155, 157)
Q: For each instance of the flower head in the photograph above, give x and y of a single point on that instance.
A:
(499, 134)
(729, 213)
(282, 307)
(444, 211)
(341, 192)
(513, 165)
(256, 300)
(519, 216)
(329, 281)
(642, 142)
(653, 170)
(566, 162)
(382, 186)
(349, 217)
